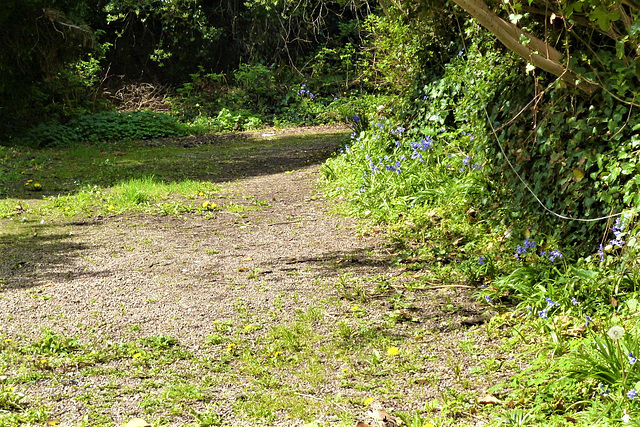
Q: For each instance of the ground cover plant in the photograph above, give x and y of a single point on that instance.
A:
(568, 305)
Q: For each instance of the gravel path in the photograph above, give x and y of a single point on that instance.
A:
(124, 277)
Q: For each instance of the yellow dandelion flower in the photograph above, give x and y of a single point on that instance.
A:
(393, 351)
(368, 401)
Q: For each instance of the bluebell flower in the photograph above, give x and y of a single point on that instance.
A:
(425, 97)
(361, 190)
(416, 155)
(632, 359)
(529, 244)
(632, 393)
(461, 169)
(460, 53)
(551, 303)
(589, 320)
(603, 390)
(356, 119)
(554, 254)
(529, 309)
(601, 253)
(574, 301)
(543, 313)
(618, 228)
(486, 297)
(476, 166)
(481, 260)
(466, 160)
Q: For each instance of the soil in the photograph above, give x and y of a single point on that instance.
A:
(123, 277)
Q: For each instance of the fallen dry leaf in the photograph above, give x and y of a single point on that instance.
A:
(576, 332)
(489, 399)
(362, 424)
(382, 417)
(137, 422)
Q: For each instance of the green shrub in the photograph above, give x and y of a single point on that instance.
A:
(105, 126)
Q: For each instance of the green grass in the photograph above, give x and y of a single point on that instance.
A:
(108, 179)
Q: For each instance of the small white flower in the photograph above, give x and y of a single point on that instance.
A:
(615, 332)
(626, 419)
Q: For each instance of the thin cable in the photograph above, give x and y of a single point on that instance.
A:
(534, 194)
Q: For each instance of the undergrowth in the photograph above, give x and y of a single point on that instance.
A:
(434, 175)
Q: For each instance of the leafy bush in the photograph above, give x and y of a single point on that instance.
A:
(106, 126)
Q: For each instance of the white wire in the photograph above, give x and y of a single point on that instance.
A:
(534, 194)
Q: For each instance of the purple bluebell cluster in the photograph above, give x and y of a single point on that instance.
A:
(601, 253)
(524, 248)
(550, 304)
(424, 144)
(603, 390)
(553, 254)
(471, 137)
(632, 358)
(395, 167)
(304, 91)
(398, 131)
(618, 228)
(617, 242)
(481, 260)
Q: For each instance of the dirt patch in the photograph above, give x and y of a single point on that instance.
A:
(278, 256)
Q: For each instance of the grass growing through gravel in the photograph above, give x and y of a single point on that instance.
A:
(391, 339)
(121, 177)
(287, 370)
